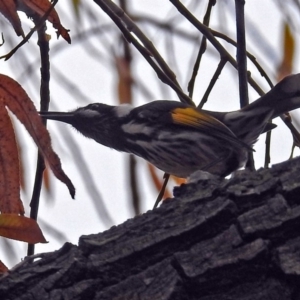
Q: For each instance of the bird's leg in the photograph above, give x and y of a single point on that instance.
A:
(250, 162)
(162, 191)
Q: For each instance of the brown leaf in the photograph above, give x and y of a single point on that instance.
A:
(21, 228)
(3, 268)
(16, 99)
(40, 7)
(46, 179)
(9, 10)
(9, 164)
(286, 66)
(125, 80)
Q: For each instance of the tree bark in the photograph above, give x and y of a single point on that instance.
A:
(216, 239)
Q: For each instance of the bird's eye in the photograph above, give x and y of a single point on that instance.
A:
(147, 116)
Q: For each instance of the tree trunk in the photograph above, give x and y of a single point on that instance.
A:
(217, 239)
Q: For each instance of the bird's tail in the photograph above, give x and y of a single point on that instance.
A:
(284, 97)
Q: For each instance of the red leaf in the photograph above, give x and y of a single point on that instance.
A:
(3, 268)
(21, 228)
(16, 99)
(40, 7)
(9, 10)
(9, 163)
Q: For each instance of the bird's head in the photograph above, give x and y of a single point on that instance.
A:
(96, 121)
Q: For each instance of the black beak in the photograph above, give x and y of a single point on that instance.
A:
(66, 117)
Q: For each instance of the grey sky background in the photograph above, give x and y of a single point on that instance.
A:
(94, 75)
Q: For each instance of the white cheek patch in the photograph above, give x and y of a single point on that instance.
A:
(123, 110)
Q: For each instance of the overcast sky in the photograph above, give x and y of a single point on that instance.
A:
(97, 81)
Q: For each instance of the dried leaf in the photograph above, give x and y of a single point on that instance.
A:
(125, 80)
(16, 99)
(9, 164)
(46, 179)
(9, 10)
(286, 65)
(3, 268)
(40, 7)
(21, 228)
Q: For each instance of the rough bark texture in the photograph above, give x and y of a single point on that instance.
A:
(217, 239)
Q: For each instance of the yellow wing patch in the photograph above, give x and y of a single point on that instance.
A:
(203, 122)
(192, 117)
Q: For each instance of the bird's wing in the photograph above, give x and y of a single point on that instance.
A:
(179, 114)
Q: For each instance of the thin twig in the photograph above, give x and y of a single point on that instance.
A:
(286, 118)
(141, 18)
(135, 199)
(242, 63)
(162, 191)
(45, 99)
(207, 32)
(202, 49)
(37, 26)
(249, 55)
(214, 79)
(147, 49)
(241, 52)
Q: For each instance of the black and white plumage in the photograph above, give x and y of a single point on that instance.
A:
(180, 139)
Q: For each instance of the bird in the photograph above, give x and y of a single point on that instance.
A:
(179, 138)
